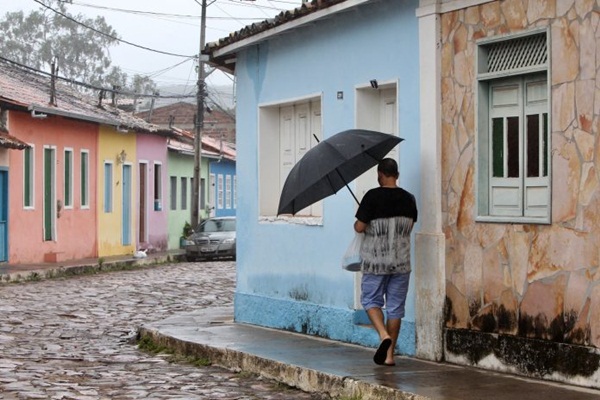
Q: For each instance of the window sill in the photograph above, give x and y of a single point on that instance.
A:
(311, 221)
(513, 220)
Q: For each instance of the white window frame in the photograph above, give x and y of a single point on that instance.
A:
(235, 192)
(68, 176)
(157, 186)
(485, 82)
(84, 188)
(184, 192)
(173, 189)
(228, 191)
(220, 191)
(107, 191)
(302, 118)
(31, 179)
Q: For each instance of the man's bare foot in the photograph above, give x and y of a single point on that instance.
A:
(381, 354)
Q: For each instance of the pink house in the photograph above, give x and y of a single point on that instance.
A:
(52, 189)
(152, 207)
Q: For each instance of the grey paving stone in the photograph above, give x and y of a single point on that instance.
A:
(72, 338)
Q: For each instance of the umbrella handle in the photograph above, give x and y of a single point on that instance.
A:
(341, 177)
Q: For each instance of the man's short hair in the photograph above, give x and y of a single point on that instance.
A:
(388, 167)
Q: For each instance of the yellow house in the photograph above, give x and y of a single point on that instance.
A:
(116, 194)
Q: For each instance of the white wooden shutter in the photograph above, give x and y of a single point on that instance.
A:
(505, 155)
(537, 184)
(286, 143)
(315, 129)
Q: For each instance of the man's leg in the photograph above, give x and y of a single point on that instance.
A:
(393, 328)
(373, 287)
(395, 298)
(377, 319)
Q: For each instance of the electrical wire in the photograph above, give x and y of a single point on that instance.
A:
(110, 36)
(157, 14)
(93, 87)
(257, 6)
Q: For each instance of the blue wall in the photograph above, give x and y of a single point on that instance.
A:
(289, 275)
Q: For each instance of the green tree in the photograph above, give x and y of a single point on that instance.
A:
(42, 36)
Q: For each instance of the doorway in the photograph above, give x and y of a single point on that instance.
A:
(126, 207)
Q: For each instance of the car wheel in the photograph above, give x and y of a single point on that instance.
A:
(190, 258)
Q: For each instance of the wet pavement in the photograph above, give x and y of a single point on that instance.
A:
(339, 369)
(73, 338)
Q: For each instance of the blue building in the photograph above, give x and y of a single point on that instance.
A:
(222, 174)
(325, 67)
(222, 179)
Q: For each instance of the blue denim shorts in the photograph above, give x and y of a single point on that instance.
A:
(390, 290)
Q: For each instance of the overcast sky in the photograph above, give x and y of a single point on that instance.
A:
(172, 26)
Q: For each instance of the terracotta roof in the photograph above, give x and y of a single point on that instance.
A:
(183, 142)
(11, 142)
(30, 91)
(183, 114)
(256, 28)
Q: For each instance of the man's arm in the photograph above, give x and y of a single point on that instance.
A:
(359, 226)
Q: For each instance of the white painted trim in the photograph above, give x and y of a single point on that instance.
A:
(32, 191)
(72, 172)
(387, 84)
(53, 194)
(292, 100)
(513, 220)
(87, 179)
(143, 214)
(429, 269)
(510, 36)
(288, 26)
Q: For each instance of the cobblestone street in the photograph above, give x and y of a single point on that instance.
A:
(73, 338)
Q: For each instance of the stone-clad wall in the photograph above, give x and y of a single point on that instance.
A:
(521, 280)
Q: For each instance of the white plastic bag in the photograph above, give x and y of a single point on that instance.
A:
(351, 260)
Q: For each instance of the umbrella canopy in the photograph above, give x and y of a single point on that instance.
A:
(331, 165)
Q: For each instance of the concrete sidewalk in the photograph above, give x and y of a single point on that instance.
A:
(324, 366)
(10, 273)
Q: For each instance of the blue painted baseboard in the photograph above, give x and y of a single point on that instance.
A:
(345, 325)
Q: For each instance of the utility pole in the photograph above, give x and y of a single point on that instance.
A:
(200, 95)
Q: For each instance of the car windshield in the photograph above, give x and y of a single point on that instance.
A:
(218, 225)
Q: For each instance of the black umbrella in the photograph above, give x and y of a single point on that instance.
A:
(331, 165)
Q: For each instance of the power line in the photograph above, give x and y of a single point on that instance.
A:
(93, 87)
(257, 6)
(110, 36)
(157, 14)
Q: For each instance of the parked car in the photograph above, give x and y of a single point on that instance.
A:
(213, 238)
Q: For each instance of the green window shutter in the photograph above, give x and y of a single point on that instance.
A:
(68, 180)
(84, 179)
(28, 184)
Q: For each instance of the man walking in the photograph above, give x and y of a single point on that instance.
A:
(386, 215)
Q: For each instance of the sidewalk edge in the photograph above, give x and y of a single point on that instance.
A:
(308, 380)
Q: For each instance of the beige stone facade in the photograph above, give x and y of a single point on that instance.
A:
(526, 281)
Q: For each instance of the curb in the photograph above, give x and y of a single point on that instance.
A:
(306, 379)
(50, 271)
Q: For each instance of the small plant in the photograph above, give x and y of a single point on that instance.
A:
(101, 261)
(187, 230)
(148, 345)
